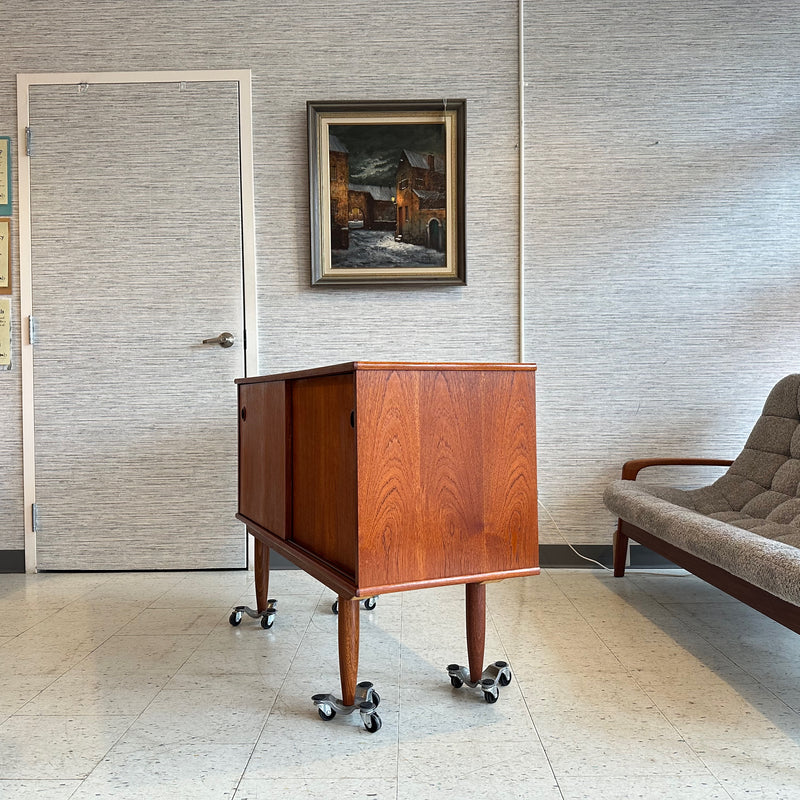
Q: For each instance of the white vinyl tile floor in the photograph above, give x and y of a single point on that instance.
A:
(135, 686)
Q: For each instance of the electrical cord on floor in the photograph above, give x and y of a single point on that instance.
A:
(660, 574)
(580, 555)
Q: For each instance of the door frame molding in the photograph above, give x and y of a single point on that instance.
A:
(24, 83)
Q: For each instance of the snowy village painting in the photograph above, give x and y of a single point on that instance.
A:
(387, 192)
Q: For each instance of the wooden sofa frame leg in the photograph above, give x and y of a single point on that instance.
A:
(620, 551)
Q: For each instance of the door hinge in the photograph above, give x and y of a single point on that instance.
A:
(34, 517)
(28, 142)
(32, 329)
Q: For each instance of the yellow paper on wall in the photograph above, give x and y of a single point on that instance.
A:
(5, 259)
(5, 332)
(3, 172)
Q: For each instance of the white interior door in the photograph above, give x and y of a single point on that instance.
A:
(136, 257)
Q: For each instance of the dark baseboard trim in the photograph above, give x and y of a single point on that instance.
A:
(553, 556)
(12, 561)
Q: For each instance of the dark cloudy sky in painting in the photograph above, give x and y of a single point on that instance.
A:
(375, 149)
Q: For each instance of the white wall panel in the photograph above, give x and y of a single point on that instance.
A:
(663, 258)
(297, 52)
(662, 278)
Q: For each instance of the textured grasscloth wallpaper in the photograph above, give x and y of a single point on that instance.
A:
(660, 218)
(297, 52)
(663, 235)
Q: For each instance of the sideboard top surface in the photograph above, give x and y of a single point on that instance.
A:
(354, 366)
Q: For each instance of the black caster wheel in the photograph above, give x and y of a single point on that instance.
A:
(365, 693)
(328, 714)
(491, 696)
(335, 607)
(235, 618)
(268, 621)
(503, 673)
(373, 723)
(455, 679)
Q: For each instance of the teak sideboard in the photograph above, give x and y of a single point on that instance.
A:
(384, 477)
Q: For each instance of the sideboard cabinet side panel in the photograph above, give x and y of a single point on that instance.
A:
(509, 458)
(447, 473)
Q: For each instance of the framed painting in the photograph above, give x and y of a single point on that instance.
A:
(387, 192)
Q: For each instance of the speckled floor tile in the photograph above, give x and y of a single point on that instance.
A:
(136, 686)
(16, 617)
(749, 767)
(296, 743)
(158, 652)
(317, 789)
(451, 765)
(634, 787)
(183, 621)
(218, 715)
(46, 747)
(138, 769)
(81, 693)
(17, 688)
(37, 790)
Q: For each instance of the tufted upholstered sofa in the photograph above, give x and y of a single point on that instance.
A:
(741, 533)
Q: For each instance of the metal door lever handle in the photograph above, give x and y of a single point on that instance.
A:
(223, 340)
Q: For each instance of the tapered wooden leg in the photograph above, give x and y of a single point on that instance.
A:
(476, 628)
(620, 551)
(348, 647)
(261, 567)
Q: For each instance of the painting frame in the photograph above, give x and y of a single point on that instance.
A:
(375, 220)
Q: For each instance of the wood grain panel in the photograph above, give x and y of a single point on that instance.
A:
(452, 474)
(447, 474)
(510, 479)
(264, 480)
(324, 468)
(389, 503)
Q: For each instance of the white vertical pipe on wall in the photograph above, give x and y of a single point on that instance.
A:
(246, 159)
(521, 145)
(26, 309)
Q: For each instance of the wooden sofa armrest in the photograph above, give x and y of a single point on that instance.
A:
(630, 469)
